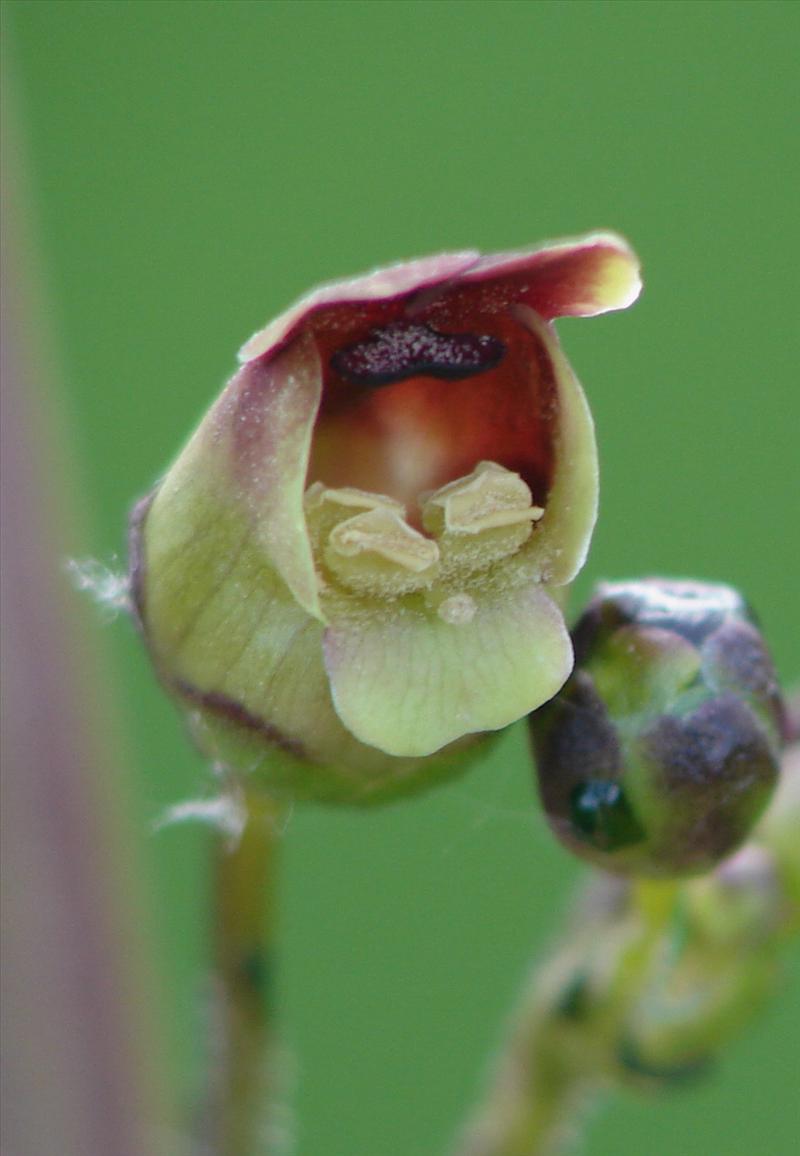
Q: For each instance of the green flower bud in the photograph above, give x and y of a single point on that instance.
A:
(662, 749)
(353, 571)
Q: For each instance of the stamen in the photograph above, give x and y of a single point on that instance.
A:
(377, 552)
(489, 497)
(325, 508)
(382, 531)
(362, 541)
(405, 349)
(481, 518)
(349, 497)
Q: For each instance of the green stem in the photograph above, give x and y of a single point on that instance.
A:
(244, 901)
(534, 1098)
(560, 1054)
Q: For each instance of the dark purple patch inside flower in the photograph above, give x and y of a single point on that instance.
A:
(404, 349)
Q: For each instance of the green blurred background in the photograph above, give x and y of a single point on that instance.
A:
(194, 166)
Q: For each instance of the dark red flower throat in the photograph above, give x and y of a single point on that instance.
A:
(413, 402)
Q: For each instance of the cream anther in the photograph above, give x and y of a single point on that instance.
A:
(378, 554)
(327, 508)
(480, 519)
(487, 499)
(383, 531)
(350, 498)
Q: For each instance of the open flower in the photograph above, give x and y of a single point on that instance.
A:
(355, 562)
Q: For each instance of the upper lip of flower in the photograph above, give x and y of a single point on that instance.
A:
(429, 408)
(574, 277)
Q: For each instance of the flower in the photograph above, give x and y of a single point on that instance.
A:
(664, 747)
(355, 563)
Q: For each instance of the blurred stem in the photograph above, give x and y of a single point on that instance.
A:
(244, 899)
(532, 1099)
(82, 1057)
(556, 1056)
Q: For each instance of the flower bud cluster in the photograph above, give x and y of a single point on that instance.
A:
(655, 978)
(662, 749)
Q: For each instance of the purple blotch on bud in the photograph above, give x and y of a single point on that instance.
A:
(662, 749)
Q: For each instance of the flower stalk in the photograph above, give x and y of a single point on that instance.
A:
(552, 1065)
(241, 1092)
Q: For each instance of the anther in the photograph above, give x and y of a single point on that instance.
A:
(488, 498)
(481, 518)
(377, 552)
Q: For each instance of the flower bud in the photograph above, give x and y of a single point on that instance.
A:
(662, 749)
(352, 570)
